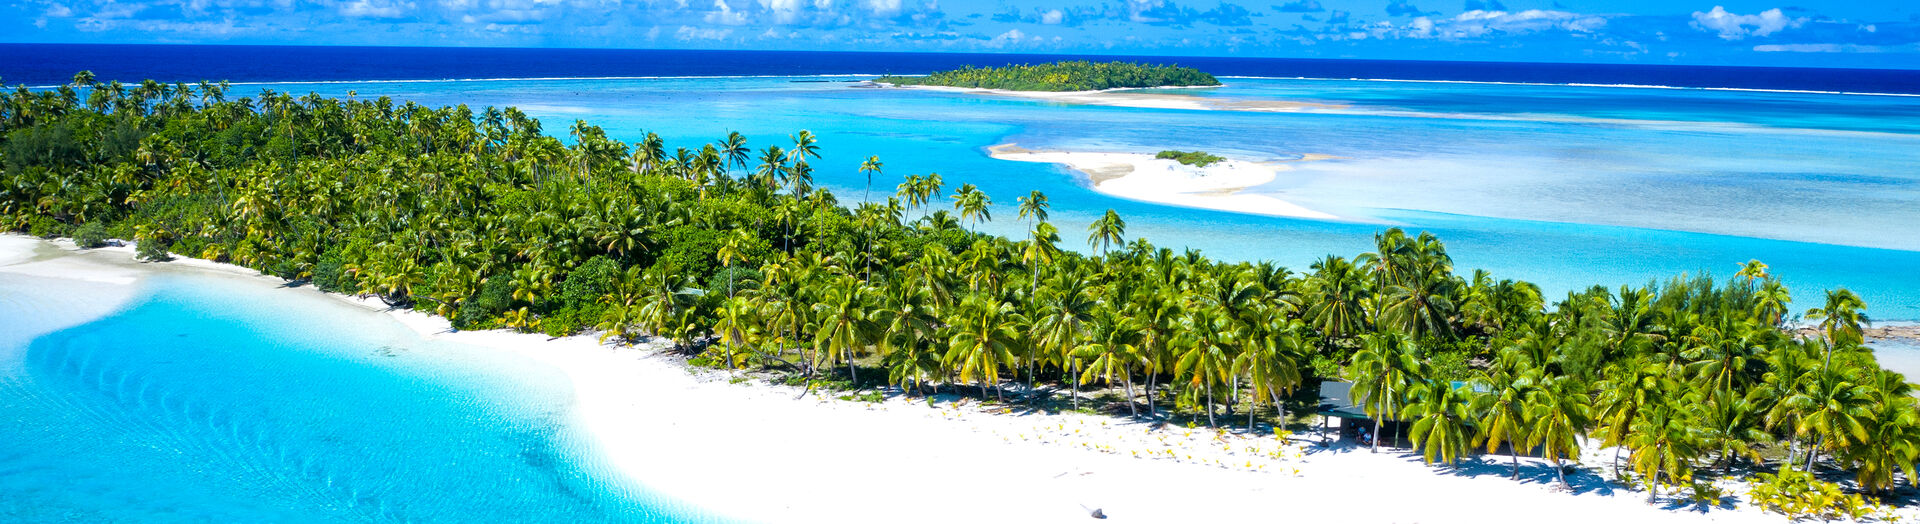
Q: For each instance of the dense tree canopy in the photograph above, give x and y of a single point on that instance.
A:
(736, 258)
(1079, 75)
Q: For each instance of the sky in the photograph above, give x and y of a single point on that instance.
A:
(1838, 33)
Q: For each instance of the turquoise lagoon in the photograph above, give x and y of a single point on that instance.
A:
(206, 400)
(1566, 186)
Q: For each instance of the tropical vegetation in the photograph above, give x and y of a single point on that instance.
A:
(1191, 158)
(1077, 75)
(736, 258)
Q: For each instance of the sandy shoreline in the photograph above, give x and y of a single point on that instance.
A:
(1225, 186)
(753, 451)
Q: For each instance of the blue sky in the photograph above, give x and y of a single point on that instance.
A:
(1732, 32)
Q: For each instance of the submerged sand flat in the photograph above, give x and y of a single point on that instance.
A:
(1225, 186)
(759, 452)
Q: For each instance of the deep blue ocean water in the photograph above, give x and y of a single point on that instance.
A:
(44, 64)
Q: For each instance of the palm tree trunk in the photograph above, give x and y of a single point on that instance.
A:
(1616, 461)
(1279, 409)
(1151, 410)
(1516, 459)
(1210, 405)
(1562, 473)
(1132, 408)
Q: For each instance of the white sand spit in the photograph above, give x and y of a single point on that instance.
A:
(1231, 185)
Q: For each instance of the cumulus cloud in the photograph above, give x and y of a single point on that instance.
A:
(372, 9)
(724, 14)
(1734, 27)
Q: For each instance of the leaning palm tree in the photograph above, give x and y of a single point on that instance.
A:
(1559, 412)
(1272, 367)
(1440, 414)
(972, 204)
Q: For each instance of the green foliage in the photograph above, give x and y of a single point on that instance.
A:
(154, 249)
(1063, 76)
(585, 285)
(90, 235)
(1191, 158)
(331, 273)
(1449, 366)
(1798, 495)
(46, 227)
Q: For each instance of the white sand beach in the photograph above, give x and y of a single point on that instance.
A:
(1231, 185)
(753, 451)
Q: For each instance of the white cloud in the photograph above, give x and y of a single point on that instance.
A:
(724, 14)
(701, 33)
(1053, 17)
(1734, 27)
(884, 7)
(371, 9)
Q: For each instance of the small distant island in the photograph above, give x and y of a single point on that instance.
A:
(1191, 158)
(1079, 75)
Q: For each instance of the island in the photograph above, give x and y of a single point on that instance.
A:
(1068, 362)
(1066, 76)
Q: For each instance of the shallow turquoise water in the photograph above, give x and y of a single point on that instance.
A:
(1565, 186)
(204, 401)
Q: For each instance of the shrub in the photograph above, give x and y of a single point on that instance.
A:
(90, 236)
(46, 227)
(331, 273)
(154, 249)
(495, 296)
(1192, 158)
(586, 284)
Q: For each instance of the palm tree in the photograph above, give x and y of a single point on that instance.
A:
(1663, 446)
(869, 167)
(1558, 412)
(1382, 372)
(734, 146)
(1831, 409)
(1440, 416)
(1272, 367)
(1205, 353)
(1753, 269)
(845, 312)
(1106, 231)
(1501, 413)
(982, 340)
(1841, 319)
(1112, 349)
(972, 204)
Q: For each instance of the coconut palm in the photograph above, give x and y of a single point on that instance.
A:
(1557, 413)
(1106, 231)
(1663, 446)
(1440, 413)
(982, 340)
(1501, 413)
(1383, 371)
